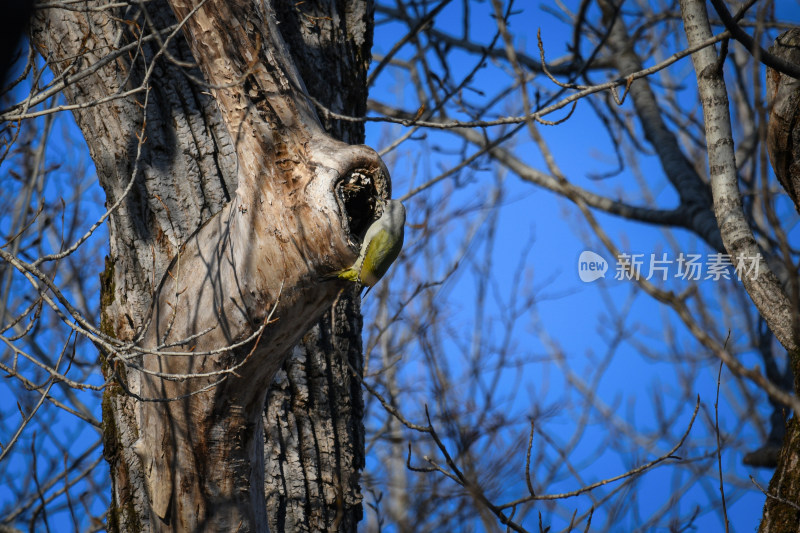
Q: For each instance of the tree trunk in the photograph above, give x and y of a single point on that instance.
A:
(781, 512)
(172, 155)
(783, 136)
(314, 433)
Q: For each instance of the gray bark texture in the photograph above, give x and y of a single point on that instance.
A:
(783, 131)
(783, 142)
(695, 198)
(226, 181)
(313, 416)
(765, 290)
(777, 308)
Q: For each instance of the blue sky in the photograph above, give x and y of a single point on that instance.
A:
(578, 317)
(550, 234)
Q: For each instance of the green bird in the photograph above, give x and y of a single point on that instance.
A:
(380, 247)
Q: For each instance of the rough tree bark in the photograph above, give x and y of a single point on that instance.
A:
(314, 449)
(783, 133)
(174, 155)
(783, 143)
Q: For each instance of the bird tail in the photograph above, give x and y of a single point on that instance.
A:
(348, 274)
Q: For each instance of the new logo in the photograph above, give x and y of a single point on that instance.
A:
(591, 266)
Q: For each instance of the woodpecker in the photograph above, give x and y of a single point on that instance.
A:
(380, 247)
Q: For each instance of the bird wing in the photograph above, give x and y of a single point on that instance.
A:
(379, 256)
